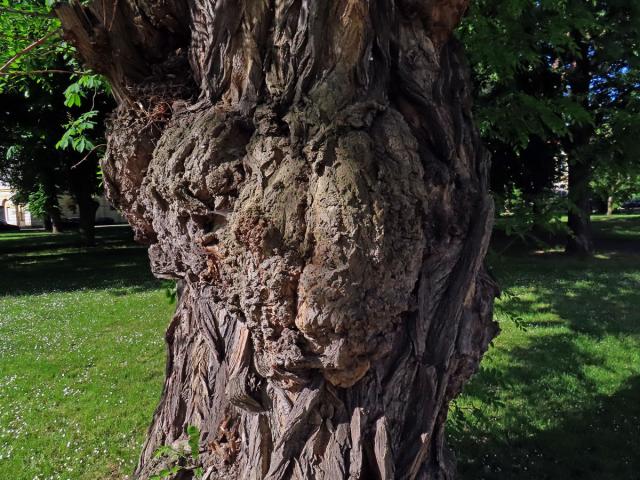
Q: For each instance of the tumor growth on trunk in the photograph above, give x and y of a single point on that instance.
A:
(309, 172)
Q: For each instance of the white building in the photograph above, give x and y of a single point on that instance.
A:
(19, 214)
(14, 214)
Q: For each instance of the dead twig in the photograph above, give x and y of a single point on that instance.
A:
(39, 72)
(89, 154)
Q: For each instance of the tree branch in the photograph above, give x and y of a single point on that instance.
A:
(25, 12)
(89, 154)
(27, 49)
(39, 72)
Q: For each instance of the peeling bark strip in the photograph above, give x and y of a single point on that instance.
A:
(310, 173)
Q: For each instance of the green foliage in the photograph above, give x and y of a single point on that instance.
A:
(33, 48)
(618, 184)
(531, 219)
(85, 85)
(178, 457)
(75, 135)
(73, 95)
(565, 73)
(36, 202)
(171, 291)
(194, 441)
(78, 131)
(41, 83)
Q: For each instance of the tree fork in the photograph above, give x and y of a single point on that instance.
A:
(310, 173)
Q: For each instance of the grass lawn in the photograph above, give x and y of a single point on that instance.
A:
(81, 355)
(558, 397)
(82, 358)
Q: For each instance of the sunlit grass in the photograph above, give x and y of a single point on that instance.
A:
(81, 359)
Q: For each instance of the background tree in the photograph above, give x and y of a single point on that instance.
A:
(564, 68)
(310, 174)
(616, 175)
(43, 148)
(28, 159)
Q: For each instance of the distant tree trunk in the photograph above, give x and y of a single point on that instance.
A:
(83, 186)
(580, 238)
(51, 206)
(610, 205)
(55, 220)
(310, 173)
(579, 241)
(87, 208)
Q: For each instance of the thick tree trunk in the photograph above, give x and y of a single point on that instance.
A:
(310, 173)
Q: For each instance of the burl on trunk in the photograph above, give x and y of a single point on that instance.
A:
(309, 172)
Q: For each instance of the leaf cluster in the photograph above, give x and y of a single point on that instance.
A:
(528, 87)
(178, 458)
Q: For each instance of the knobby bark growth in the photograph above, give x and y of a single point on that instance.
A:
(310, 173)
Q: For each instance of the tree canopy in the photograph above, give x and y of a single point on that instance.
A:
(53, 110)
(556, 84)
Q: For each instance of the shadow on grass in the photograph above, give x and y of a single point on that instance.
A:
(537, 409)
(600, 441)
(537, 415)
(615, 234)
(40, 265)
(599, 296)
(33, 241)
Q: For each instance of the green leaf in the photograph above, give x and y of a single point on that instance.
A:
(194, 441)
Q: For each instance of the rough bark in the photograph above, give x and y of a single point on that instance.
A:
(310, 174)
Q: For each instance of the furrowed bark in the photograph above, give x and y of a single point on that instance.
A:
(310, 173)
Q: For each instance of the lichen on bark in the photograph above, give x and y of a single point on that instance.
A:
(310, 174)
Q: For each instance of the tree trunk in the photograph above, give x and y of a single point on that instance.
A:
(610, 205)
(83, 186)
(87, 208)
(310, 173)
(51, 206)
(580, 238)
